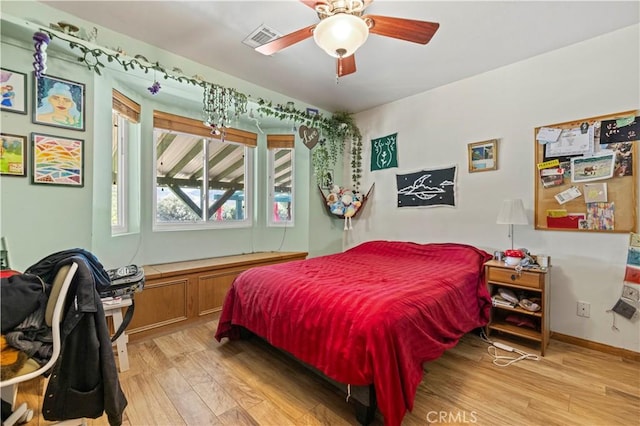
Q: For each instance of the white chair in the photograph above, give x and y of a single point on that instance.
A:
(53, 318)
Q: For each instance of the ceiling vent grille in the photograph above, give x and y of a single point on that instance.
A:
(260, 36)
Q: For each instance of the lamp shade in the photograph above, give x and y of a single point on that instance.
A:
(512, 213)
(340, 35)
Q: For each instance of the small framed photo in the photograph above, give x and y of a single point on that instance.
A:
(594, 167)
(13, 85)
(13, 155)
(312, 112)
(57, 160)
(58, 102)
(483, 156)
(327, 180)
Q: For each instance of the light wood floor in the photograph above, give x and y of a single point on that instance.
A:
(188, 378)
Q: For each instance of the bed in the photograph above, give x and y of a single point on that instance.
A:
(370, 316)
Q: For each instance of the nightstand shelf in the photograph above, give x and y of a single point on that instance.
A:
(515, 330)
(519, 310)
(516, 321)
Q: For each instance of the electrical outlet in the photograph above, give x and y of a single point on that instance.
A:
(584, 309)
(631, 293)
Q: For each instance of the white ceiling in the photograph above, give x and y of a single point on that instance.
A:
(474, 37)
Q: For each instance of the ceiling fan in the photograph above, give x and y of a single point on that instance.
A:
(343, 29)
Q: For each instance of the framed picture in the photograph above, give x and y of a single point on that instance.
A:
(13, 85)
(483, 156)
(13, 155)
(327, 180)
(57, 160)
(58, 103)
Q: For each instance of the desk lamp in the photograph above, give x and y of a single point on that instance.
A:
(512, 213)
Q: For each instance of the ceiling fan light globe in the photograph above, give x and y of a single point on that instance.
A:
(341, 35)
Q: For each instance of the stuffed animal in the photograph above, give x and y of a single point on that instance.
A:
(344, 202)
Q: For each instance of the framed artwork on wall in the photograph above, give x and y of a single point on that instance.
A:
(13, 155)
(57, 160)
(13, 85)
(483, 156)
(58, 102)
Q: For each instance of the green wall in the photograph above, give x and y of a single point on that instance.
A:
(38, 220)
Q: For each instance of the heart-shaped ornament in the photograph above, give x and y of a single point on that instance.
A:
(309, 136)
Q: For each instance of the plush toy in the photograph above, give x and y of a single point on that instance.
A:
(344, 202)
(337, 208)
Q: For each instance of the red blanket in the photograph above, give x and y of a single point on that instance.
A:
(373, 314)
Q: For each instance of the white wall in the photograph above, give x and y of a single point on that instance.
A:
(595, 77)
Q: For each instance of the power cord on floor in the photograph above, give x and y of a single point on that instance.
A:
(502, 360)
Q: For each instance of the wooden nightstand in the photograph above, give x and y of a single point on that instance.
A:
(516, 321)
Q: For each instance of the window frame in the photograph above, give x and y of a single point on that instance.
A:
(271, 159)
(122, 130)
(169, 123)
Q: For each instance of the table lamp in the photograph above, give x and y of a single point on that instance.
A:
(512, 213)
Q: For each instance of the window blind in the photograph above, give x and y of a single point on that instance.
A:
(126, 107)
(177, 123)
(280, 141)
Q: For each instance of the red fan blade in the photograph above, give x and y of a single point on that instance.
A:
(286, 40)
(403, 29)
(346, 66)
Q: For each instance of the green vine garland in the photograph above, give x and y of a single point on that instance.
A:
(337, 130)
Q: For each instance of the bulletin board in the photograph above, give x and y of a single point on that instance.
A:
(606, 177)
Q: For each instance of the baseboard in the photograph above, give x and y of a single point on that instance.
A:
(624, 353)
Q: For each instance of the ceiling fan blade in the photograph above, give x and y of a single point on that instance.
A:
(346, 66)
(286, 41)
(401, 28)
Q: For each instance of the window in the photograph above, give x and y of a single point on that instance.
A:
(280, 179)
(202, 180)
(125, 113)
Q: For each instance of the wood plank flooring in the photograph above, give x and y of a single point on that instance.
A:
(187, 378)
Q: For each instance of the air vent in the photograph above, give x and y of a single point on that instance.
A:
(260, 36)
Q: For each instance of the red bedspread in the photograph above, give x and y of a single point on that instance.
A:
(372, 314)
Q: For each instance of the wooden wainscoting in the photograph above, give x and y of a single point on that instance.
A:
(212, 289)
(182, 293)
